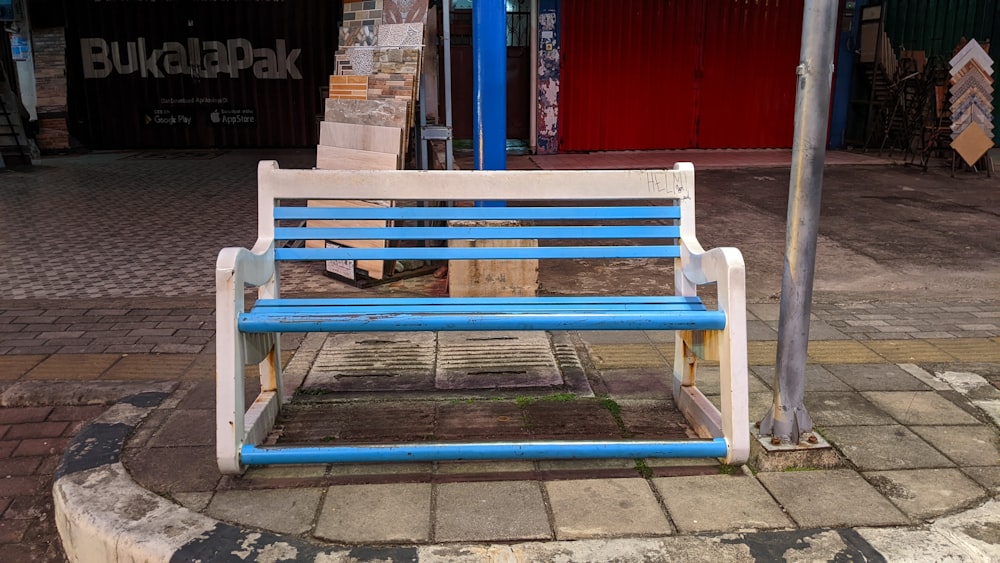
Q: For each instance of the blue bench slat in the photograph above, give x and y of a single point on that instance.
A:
(485, 253)
(265, 320)
(691, 301)
(479, 213)
(474, 233)
(375, 309)
(387, 453)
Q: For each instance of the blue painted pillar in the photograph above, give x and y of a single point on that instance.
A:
(489, 86)
(848, 37)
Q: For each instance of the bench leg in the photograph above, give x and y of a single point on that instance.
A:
(229, 391)
(234, 424)
(729, 347)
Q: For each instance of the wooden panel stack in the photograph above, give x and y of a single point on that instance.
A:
(971, 102)
(356, 146)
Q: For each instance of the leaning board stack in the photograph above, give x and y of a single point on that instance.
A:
(971, 102)
(370, 108)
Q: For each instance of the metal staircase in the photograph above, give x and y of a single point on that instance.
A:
(14, 145)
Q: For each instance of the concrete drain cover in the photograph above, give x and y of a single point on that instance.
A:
(374, 362)
(447, 362)
(496, 360)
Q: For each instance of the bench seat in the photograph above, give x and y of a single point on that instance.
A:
(480, 313)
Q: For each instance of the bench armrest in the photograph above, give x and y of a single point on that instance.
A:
(722, 265)
(253, 267)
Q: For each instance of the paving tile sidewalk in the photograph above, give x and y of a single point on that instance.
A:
(902, 431)
(915, 448)
(880, 371)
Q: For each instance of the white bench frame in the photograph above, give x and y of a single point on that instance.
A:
(239, 267)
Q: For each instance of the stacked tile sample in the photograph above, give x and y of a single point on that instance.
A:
(971, 102)
(382, 40)
(370, 109)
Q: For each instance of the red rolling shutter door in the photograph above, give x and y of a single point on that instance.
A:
(655, 74)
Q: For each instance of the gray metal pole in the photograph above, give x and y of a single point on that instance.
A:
(788, 419)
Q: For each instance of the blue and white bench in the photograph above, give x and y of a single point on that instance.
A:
(610, 215)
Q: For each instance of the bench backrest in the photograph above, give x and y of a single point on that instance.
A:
(573, 214)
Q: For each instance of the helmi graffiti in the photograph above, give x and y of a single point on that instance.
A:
(196, 58)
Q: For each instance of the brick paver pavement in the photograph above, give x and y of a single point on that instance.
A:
(32, 440)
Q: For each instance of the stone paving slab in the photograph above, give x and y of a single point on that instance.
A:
(884, 447)
(843, 409)
(919, 407)
(973, 446)
(619, 356)
(365, 514)
(287, 511)
(976, 530)
(876, 377)
(708, 504)
(841, 352)
(987, 477)
(927, 493)
(910, 351)
(818, 378)
(605, 508)
(914, 545)
(498, 511)
(817, 499)
(636, 383)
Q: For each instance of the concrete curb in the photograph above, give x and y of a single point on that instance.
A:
(104, 516)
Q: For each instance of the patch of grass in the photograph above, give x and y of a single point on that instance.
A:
(791, 469)
(644, 470)
(311, 392)
(555, 397)
(612, 407)
(727, 469)
(559, 397)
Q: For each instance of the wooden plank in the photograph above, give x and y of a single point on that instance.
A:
(337, 158)
(361, 137)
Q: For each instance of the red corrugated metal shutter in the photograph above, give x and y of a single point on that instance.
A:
(627, 74)
(748, 80)
(654, 74)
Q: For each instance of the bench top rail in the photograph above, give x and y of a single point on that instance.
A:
(479, 185)
(583, 194)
